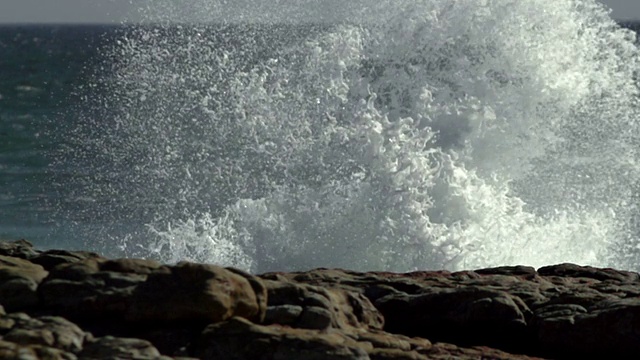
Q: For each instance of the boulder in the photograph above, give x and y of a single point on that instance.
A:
(313, 307)
(109, 347)
(19, 281)
(83, 290)
(198, 293)
(239, 339)
(610, 330)
(48, 331)
(467, 315)
(52, 258)
(21, 249)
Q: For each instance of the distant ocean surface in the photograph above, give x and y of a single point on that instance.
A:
(429, 138)
(43, 69)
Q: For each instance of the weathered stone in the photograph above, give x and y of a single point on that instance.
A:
(444, 351)
(560, 311)
(572, 270)
(22, 249)
(259, 290)
(195, 292)
(315, 317)
(49, 353)
(395, 354)
(612, 331)
(239, 339)
(283, 314)
(508, 270)
(52, 258)
(136, 266)
(383, 340)
(323, 308)
(51, 331)
(19, 281)
(83, 289)
(110, 347)
(87, 299)
(467, 315)
(13, 351)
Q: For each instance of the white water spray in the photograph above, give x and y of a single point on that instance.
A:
(398, 135)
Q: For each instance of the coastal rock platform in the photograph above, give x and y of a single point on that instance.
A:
(60, 304)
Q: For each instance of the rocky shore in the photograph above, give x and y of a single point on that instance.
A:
(60, 304)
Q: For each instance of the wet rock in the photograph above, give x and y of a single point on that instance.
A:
(322, 308)
(49, 331)
(140, 309)
(315, 317)
(610, 331)
(238, 339)
(130, 266)
(468, 315)
(19, 281)
(84, 290)
(22, 249)
(442, 351)
(576, 271)
(382, 340)
(508, 270)
(110, 347)
(283, 314)
(197, 292)
(13, 351)
(52, 258)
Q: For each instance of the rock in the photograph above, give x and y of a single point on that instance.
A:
(315, 317)
(13, 351)
(21, 249)
(130, 266)
(449, 351)
(49, 331)
(508, 270)
(469, 315)
(238, 339)
(19, 281)
(576, 271)
(283, 314)
(84, 290)
(141, 308)
(52, 258)
(322, 308)
(199, 293)
(110, 347)
(610, 331)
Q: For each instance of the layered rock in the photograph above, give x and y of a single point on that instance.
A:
(60, 304)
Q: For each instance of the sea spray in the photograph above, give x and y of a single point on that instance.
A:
(397, 136)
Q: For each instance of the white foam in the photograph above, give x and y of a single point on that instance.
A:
(431, 134)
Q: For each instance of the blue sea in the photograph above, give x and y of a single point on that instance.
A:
(401, 136)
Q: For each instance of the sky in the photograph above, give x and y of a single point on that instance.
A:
(115, 11)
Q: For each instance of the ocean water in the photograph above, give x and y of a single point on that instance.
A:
(387, 135)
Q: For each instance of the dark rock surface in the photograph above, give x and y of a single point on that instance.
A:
(78, 305)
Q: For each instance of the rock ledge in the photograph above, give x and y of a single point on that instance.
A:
(60, 304)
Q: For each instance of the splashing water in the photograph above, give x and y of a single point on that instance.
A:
(402, 135)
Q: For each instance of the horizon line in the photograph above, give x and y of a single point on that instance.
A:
(146, 23)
